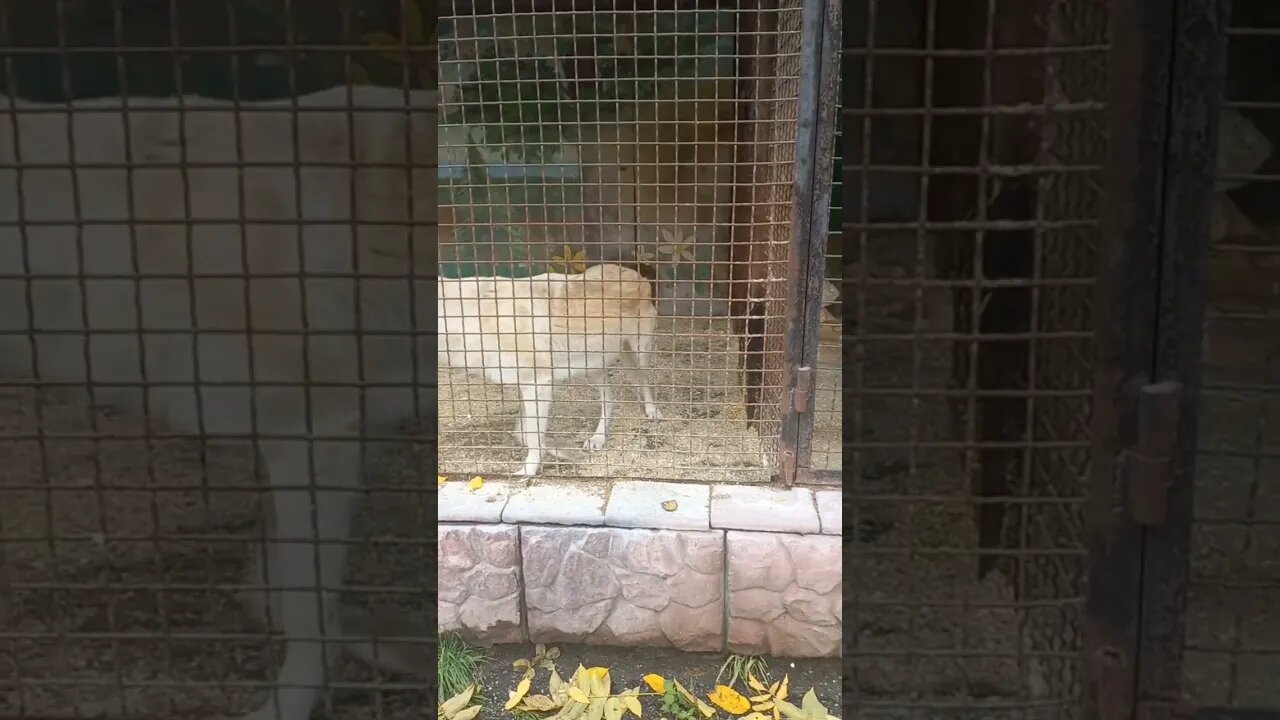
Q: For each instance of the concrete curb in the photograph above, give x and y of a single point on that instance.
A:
(730, 567)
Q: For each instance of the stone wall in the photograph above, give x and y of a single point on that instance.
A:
(729, 567)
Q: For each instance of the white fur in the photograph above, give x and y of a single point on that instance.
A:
(543, 356)
(144, 319)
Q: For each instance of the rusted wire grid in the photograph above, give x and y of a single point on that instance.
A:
(109, 527)
(644, 184)
(1232, 638)
(972, 154)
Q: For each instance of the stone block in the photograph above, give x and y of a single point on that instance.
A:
(830, 511)
(456, 503)
(557, 504)
(638, 504)
(615, 586)
(748, 507)
(784, 594)
(479, 582)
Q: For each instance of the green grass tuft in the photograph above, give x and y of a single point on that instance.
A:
(737, 667)
(456, 666)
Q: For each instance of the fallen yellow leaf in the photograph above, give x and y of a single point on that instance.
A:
(729, 700)
(633, 704)
(705, 709)
(755, 716)
(782, 690)
(656, 683)
(614, 708)
(755, 684)
(517, 695)
(476, 483)
(539, 703)
(670, 505)
(578, 696)
(441, 479)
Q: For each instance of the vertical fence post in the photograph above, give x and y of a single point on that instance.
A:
(815, 149)
(1197, 79)
(1166, 73)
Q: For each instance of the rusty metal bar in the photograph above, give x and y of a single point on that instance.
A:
(1234, 713)
(1142, 48)
(1166, 81)
(815, 146)
(462, 8)
(1196, 80)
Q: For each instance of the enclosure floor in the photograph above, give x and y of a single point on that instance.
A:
(130, 520)
(1233, 628)
(704, 434)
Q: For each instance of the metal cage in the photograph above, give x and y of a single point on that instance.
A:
(199, 202)
(974, 141)
(663, 138)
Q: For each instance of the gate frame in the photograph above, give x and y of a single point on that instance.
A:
(816, 118)
(1167, 70)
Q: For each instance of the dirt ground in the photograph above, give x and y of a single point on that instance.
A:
(627, 667)
(704, 434)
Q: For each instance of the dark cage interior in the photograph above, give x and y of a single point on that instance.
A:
(1232, 655)
(129, 231)
(974, 138)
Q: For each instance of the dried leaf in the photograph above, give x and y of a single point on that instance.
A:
(528, 674)
(457, 702)
(781, 694)
(656, 683)
(766, 705)
(539, 650)
(440, 479)
(760, 698)
(520, 664)
(601, 682)
(614, 708)
(632, 702)
(518, 694)
(812, 707)
(476, 483)
(468, 714)
(558, 687)
(729, 700)
(791, 711)
(578, 695)
(773, 689)
(705, 709)
(670, 505)
(539, 703)
(755, 684)
(553, 653)
(595, 711)
(755, 716)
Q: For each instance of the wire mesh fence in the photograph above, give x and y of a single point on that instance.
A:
(213, 240)
(1233, 633)
(973, 143)
(659, 142)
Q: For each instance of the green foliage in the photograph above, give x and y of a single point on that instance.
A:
(676, 706)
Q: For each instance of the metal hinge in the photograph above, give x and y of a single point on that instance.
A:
(803, 389)
(1151, 459)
